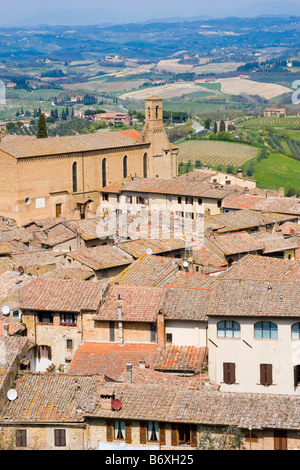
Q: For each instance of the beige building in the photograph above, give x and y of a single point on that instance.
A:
(62, 176)
(253, 336)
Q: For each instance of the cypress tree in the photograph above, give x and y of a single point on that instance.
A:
(222, 126)
(215, 127)
(42, 128)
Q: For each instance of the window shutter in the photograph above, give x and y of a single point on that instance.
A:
(225, 372)
(21, 438)
(231, 373)
(193, 435)
(296, 375)
(162, 434)
(128, 433)
(174, 440)
(56, 437)
(269, 378)
(49, 353)
(109, 431)
(143, 433)
(62, 437)
(262, 374)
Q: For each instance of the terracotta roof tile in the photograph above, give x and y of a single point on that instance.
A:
(101, 257)
(182, 359)
(62, 295)
(110, 359)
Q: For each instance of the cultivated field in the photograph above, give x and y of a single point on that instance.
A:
(215, 153)
(165, 91)
(238, 86)
(289, 122)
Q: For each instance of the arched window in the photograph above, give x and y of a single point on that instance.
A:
(74, 177)
(125, 160)
(229, 329)
(145, 165)
(265, 330)
(296, 331)
(104, 172)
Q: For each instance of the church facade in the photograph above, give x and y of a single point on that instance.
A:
(63, 176)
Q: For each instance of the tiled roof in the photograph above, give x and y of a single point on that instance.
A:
(182, 359)
(282, 205)
(264, 267)
(209, 255)
(242, 219)
(62, 295)
(236, 242)
(255, 298)
(11, 347)
(290, 228)
(178, 186)
(149, 270)
(185, 303)
(101, 257)
(172, 404)
(137, 248)
(110, 359)
(31, 146)
(11, 286)
(273, 242)
(183, 279)
(139, 303)
(4, 250)
(70, 273)
(15, 326)
(57, 234)
(87, 227)
(52, 398)
(143, 376)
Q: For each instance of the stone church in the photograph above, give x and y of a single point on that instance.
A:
(63, 176)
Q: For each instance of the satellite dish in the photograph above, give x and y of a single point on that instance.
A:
(5, 310)
(12, 394)
(149, 251)
(21, 269)
(185, 264)
(116, 404)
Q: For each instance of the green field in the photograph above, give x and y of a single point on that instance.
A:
(215, 153)
(275, 172)
(289, 122)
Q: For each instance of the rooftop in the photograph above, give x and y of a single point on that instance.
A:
(101, 257)
(30, 146)
(60, 295)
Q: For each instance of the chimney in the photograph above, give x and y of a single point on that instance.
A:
(160, 329)
(120, 317)
(142, 364)
(5, 329)
(129, 373)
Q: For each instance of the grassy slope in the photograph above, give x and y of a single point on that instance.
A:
(276, 171)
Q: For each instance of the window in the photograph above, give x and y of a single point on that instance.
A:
(21, 438)
(229, 373)
(219, 203)
(229, 329)
(280, 440)
(296, 331)
(111, 331)
(153, 332)
(200, 202)
(170, 199)
(125, 160)
(105, 197)
(266, 374)
(104, 172)
(45, 352)
(118, 430)
(69, 344)
(169, 338)
(74, 177)
(129, 199)
(189, 200)
(145, 165)
(68, 319)
(59, 437)
(179, 199)
(152, 432)
(265, 330)
(45, 318)
(184, 434)
(58, 210)
(296, 375)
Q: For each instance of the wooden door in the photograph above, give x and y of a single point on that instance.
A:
(280, 440)
(58, 208)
